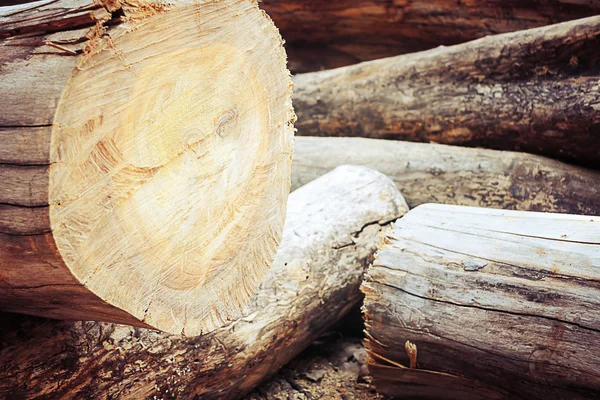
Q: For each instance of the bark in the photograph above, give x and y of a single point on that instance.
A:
(500, 304)
(323, 35)
(432, 173)
(123, 127)
(536, 91)
(332, 229)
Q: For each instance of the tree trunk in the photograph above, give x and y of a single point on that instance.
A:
(145, 160)
(536, 91)
(502, 302)
(332, 229)
(322, 35)
(431, 173)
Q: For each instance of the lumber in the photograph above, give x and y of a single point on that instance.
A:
(332, 229)
(535, 91)
(489, 303)
(433, 173)
(145, 159)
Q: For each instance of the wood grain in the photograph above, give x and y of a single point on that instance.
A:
(332, 229)
(536, 91)
(150, 147)
(501, 299)
(426, 173)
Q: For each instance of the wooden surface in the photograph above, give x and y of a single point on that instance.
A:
(431, 173)
(330, 34)
(146, 150)
(535, 91)
(332, 229)
(491, 298)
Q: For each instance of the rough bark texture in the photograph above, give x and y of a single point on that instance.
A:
(123, 128)
(332, 229)
(322, 35)
(500, 304)
(536, 91)
(431, 173)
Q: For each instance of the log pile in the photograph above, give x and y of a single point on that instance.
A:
(144, 179)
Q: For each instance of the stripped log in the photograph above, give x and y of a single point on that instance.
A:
(499, 304)
(431, 173)
(323, 35)
(332, 230)
(145, 159)
(536, 91)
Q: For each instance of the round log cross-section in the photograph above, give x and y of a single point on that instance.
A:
(147, 163)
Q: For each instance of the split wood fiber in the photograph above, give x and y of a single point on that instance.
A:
(145, 159)
(332, 229)
(499, 304)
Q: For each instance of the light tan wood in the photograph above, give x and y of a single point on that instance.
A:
(501, 301)
(332, 229)
(154, 142)
(426, 173)
(535, 91)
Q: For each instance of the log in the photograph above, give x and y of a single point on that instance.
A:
(324, 35)
(536, 91)
(426, 173)
(499, 304)
(332, 229)
(145, 160)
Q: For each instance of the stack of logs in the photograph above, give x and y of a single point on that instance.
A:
(489, 288)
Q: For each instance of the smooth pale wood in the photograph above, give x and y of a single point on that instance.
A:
(494, 298)
(332, 229)
(146, 150)
(323, 35)
(536, 91)
(427, 173)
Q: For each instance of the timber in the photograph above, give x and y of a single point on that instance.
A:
(332, 229)
(499, 304)
(536, 91)
(433, 173)
(323, 35)
(145, 160)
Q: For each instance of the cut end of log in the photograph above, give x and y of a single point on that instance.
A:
(170, 162)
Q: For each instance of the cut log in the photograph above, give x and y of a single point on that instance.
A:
(499, 304)
(426, 173)
(145, 160)
(536, 91)
(332, 230)
(323, 35)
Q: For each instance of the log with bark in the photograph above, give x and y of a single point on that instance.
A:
(145, 159)
(432, 173)
(499, 304)
(332, 229)
(536, 91)
(322, 35)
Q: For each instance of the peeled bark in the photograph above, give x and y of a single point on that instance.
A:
(536, 91)
(432, 173)
(322, 35)
(500, 305)
(145, 158)
(332, 229)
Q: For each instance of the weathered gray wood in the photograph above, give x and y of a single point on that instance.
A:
(332, 230)
(426, 173)
(329, 34)
(501, 299)
(536, 91)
